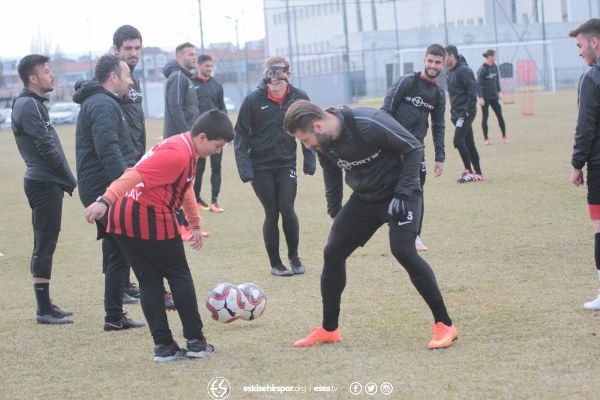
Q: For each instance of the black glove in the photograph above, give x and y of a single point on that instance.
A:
(333, 211)
(399, 211)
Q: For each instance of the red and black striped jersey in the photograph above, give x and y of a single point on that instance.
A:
(148, 210)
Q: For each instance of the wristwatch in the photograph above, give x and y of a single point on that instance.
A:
(102, 200)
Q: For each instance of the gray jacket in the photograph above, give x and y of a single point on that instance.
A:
(181, 103)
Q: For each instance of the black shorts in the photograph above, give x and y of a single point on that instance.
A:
(45, 200)
(593, 184)
(359, 219)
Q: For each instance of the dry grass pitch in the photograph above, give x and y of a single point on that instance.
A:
(513, 256)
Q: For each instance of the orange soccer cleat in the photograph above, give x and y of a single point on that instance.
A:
(443, 336)
(318, 336)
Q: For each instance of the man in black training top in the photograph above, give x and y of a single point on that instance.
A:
(411, 100)
(381, 161)
(47, 177)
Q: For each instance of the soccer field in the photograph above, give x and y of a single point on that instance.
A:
(513, 256)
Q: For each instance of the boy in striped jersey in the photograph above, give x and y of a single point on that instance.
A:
(141, 208)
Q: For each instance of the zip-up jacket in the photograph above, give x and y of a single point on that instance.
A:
(379, 156)
(260, 140)
(134, 115)
(488, 78)
(411, 100)
(39, 143)
(181, 103)
(462, 89)
(587, 134)
(102, 143)
(209, 94)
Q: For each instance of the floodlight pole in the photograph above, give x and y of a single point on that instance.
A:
(201, 30)
(445, 24)
(289, 30)
(347, 54)
(397, 38)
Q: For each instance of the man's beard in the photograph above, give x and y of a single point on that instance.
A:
(323, 141)
(431, 76)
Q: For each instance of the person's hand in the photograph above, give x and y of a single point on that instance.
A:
(481, 101)
(399, 211)
(438, 168)
(95, 211)
(577, 177)
(197, 239)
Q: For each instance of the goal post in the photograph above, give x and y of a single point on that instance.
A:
(537, 55)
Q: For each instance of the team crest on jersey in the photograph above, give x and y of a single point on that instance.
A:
(134, 95)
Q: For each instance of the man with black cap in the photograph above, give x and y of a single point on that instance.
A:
(462, 88)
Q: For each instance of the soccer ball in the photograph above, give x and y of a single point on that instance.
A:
(255, 301)
(225, 302)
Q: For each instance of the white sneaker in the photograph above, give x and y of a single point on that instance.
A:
(420, 245)
(594, 304)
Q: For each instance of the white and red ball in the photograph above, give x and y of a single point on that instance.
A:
(255, 301)
(226, 302)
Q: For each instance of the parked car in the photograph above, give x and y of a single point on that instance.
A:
(229, 105)
(5, 114)
(63, 113)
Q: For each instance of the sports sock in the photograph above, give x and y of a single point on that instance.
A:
(42, 295)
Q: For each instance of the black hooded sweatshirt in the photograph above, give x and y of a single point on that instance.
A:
(103, 145)
(462, 89)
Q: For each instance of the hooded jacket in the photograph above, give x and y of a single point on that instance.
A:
(488, 78)
(134, 115)
(462, 89)
(410, 101)
(102, 143)
(181, 103)
(379, 157)
(587, 134)
(38, 142)
(260, 140)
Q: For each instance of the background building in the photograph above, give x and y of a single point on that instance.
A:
(238, 69)
(343, 50)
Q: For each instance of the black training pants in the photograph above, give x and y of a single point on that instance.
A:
(276, 189)
(155, 260)
(215, 176)
(465, 143)
(344, 239)
(485, 112)
(45, 200)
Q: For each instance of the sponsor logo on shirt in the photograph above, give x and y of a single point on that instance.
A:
(348, 165)
(419, 102)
